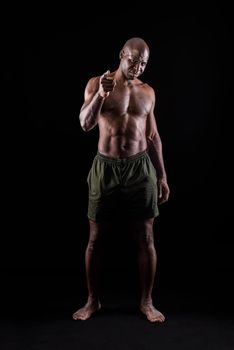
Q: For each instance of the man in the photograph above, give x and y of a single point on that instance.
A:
(128, 171)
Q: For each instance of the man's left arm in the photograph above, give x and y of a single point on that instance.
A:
(156, 155)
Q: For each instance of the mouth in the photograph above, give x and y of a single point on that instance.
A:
(133, 75)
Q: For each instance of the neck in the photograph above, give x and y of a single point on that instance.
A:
(121, 78)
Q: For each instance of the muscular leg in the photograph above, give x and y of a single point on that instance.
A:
(92, 262)
(147, 259)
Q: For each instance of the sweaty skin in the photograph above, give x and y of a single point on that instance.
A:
(123, 108)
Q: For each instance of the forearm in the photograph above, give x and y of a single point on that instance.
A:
(156, 155)
(90, 112)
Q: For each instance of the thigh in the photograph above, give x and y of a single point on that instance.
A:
(140, 192)
(104, 188)
(99, 229)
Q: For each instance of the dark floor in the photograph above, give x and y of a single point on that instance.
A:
(116, 328)
(192, 322)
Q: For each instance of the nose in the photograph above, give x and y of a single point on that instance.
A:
(136, 67)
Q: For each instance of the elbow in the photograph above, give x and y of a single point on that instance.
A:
(83, 124)
(86, 123)
(153, 141)
(153, 137)
(84, 127)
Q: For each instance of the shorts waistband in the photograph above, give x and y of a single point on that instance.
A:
(132, 158)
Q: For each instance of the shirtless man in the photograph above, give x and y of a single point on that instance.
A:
(128, 171)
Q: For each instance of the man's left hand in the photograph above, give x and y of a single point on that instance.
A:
(163, 191)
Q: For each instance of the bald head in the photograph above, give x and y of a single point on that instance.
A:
(133, 58)
(136, 44)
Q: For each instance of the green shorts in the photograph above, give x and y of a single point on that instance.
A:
(125, 187)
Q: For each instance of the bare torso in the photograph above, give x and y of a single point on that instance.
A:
(122, 122)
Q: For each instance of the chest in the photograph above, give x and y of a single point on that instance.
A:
(128, 100)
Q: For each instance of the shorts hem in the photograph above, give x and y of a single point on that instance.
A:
(135, 217)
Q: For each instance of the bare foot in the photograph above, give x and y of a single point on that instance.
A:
(85, 312)
(152, 314)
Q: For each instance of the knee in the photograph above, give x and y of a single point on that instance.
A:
(94, 237)
(92, 244)
(146, 239)
(145, 234)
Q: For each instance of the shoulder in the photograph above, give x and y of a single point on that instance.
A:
(149, 89)
(146, 87)
(92, 84)
(93, 81)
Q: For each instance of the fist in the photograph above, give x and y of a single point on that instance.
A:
(106, 84)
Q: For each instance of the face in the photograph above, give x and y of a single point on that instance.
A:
(133, 63)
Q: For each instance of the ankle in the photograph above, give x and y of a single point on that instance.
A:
(92, 299)
(146, 300)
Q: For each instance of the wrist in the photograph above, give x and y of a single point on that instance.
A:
(102, 95)
(162, 178)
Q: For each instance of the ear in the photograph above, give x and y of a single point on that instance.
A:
(121, 54)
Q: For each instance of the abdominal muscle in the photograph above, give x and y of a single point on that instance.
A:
(121, 137)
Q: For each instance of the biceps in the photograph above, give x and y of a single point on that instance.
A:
(90, 90)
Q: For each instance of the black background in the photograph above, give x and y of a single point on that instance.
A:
(46, 154)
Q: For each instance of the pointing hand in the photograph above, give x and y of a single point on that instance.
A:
(107, 84)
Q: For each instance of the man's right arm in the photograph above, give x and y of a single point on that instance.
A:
(97, 90)
(91, 108)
